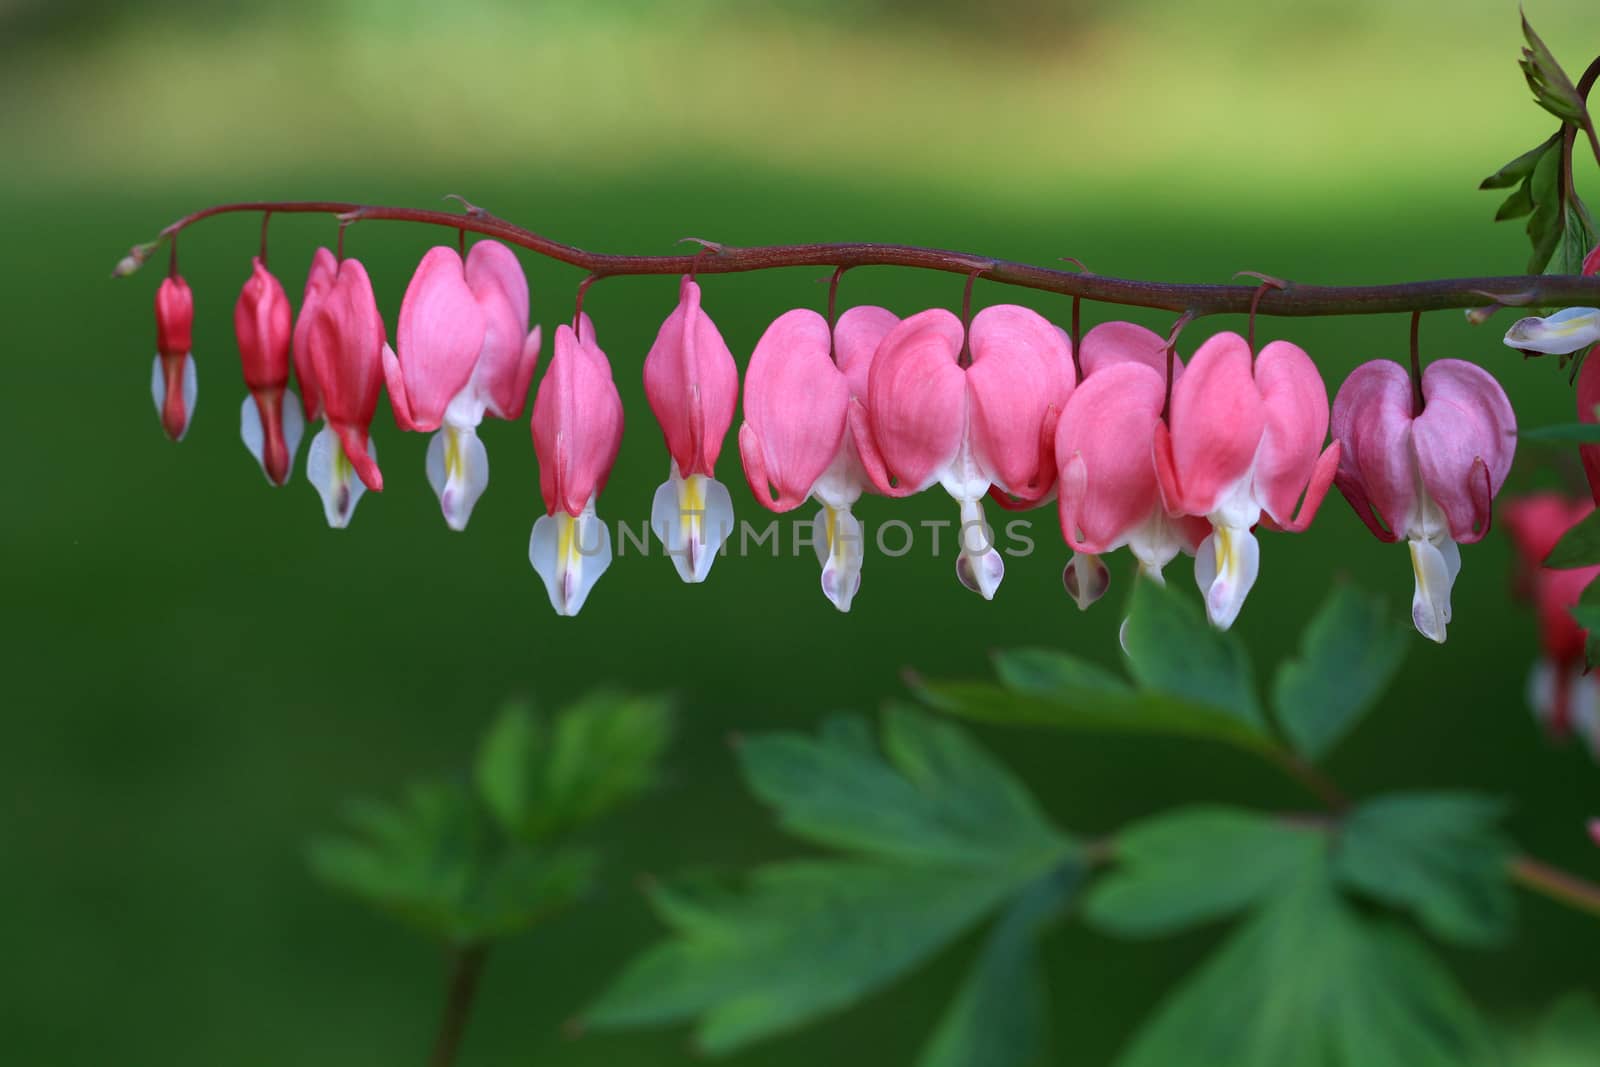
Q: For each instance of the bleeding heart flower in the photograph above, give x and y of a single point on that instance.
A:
(796, 441)
(345, 339)
(270, 421)
(1108, 495)
(1563, 694)
(577, 429)
(1242, 448)
(1429, 477)
(927, 418)
(172, 378)
(324, 268)
(464, 351)
(692, 384)
(1589, 411)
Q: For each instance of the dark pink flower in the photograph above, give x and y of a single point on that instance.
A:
(346, 340)
(270, 420)
(172, 377)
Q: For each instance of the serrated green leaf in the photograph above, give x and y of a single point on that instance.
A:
(1440, 856)
(1048, 673)
(1091, 712)
(1579, 546)
(1575, 240)
(1563, 433)
(1000, 1016)
(930, 796)
(1547, 221)
(508, 759)
(1567, 1035)
(1308, 982)
(1349, 654)
(1172, 650)
(1520, 168)
(523, 887)
(799, 941)
(1198, 864)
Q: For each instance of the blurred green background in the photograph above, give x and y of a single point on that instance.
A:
(199, 672)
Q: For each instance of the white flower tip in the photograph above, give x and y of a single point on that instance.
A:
(1560, 334)
(1086, 579)
(692, 518)
(458, 471)
(330, 471)
(981, 572)
(569, 553)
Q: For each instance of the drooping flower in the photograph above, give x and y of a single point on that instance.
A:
(324, 268)
(1108, 494)
(796, 442)
(577, 429)
(927, 418)
(270, 421)
(1242, 448)
(172, 377)
(1430, 476)
(1588, 391)
(692, 384)
(345, 340)
(1563, 694)
(464, 351)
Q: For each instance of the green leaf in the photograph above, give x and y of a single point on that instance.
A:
(1515, 206)
(798, 941)
(1579, 546)
(1108, 712)
(1567, 1036)
(508, 759)
(1172, 650)
(1564, 433)
(1308, 982)
(1000, 1017)
(1519, 169)
(1440, 856)
(1198, 864)
(930, 796)
(1349, 654)
(1551, 87)
(1547, 222)
(1048, 673)
(1575, 240)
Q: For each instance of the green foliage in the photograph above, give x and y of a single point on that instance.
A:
(1197, 864)
(470, 862)
(1310, 982)
(1551, 87)
(1581, 433)
(1349, 654)
(1567, 1036)
(940, 836)
(1173, 652)
(1440, 856)
(1579, 546)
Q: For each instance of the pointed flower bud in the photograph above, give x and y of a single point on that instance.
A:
(1430, 478)
(324, 268)
(796, 442)
(172, 378)
(577, 430)
(692, 384)
(991, 424)
(1242, 447)
(270, 420)
(1556, 335)
(346, 341)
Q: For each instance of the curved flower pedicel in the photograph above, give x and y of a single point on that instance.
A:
(1430, 477)
(577, 430)
(319, 280)
(1563, 694)
(929, 419)
(172, 378)
(692, 384)
(270, 421)
(1242, 446)
(796, 442)
(1108, 495)
(345, 340)
(464, 351)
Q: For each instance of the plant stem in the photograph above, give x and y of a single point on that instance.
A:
(1317, 783)
(1196, 300)
(466, 966)
(1555, 883)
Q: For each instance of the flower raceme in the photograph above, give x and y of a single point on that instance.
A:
(1428, 476)
(1240, 447)
(172, 377)
(929, 417)
(345, 342)
(270, 421)
(577, 430)
(692, 384)
(464, 351)
(796, 442)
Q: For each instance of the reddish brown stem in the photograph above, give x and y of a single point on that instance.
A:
(465, 969)
(1555, 883)
(1199, 300)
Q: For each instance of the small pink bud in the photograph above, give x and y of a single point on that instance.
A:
(172, 377)
(270, 421)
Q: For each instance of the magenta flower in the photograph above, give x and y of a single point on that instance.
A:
(992, 423)
(172, 378)
(345, 340)
(464, 351)
(796, 441)
(692, 384)
(324, 268)
(1242, 448)
(1108, 495)
(577, 429)
(270, 420)
(1429, 477)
